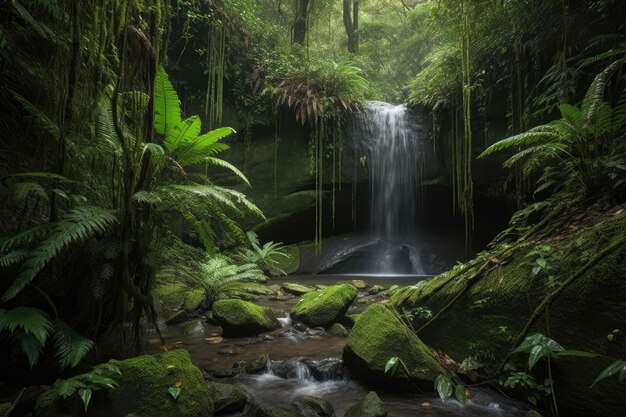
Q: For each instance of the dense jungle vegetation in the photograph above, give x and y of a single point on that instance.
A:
(118, 116)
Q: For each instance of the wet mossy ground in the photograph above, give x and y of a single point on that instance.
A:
(483, 324)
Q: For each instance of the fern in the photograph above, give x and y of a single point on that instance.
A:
(31, 321)
(71, 347)
(78, 225)
(40, 117)
(84, 384)
(220, 273)
(146, 197)
(166, 105)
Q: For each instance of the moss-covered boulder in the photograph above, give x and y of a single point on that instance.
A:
(170, 294)
(486, 319)
(380, 335)
(242, 318)
(227, 398)
(143, 390)
(324, 307)
(256, 366)
(194, 328)
(194, 300)
(370, 406)
(273, 411)
(296, 289)
(310, 406)
(338, 329)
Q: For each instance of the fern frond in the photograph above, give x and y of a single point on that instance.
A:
(183, 133)
(166, 105)
(26, 236)
(40, 117)
(67, 387)
(541, 151)
(71, 347)
(595, 94)
(146, 197)
(13, 258)
(78, 225)
(42, 29)
(30, 347)
(196, 150)
(538, 135)
(224, 164)
(22, 190)
(31, 321)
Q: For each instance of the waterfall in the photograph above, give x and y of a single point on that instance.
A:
(392, 150)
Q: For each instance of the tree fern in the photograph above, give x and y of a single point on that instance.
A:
(220, 273)
(31, 321)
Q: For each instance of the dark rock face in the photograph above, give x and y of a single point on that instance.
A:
(227, 398)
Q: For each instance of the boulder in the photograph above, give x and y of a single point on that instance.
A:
(194, 300)
(296, 289)
(375, 290)
(273, 411)
(324, 307)
(257, 366)
(370, 406)
(380, 335)
(242, 318)
(193, 328)
(310, 406)
(142, 389)
(337, 329)
(171, 295)
(227, 398)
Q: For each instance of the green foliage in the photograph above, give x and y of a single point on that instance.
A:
(617, 369)
(266, 256)
(31, 328)
(84, 384)
(220, 274)
(77, 226)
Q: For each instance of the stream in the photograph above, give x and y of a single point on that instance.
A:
(307, 361)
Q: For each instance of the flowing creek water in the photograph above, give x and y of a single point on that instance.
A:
(308, 362)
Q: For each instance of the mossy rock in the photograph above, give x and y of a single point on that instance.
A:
(194, 300)
(370, 406)
(194, 328)
(273, 411)
(242, 318)
(338, 329)
(484, 322)
(296, 288)
(227, 398)
(380, 335)
(324, 307)
(257, 366)
(310, 406)
(143, 390)
(171, 295)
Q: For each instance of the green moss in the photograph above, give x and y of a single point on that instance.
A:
(324, 307)
(143, 390)
(238, 317)
(370, 406)
(378, 336)
(484, 322)
(194, 300)
(171, 295)
(228, 398)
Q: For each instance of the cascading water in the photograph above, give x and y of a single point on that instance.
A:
(395, 161)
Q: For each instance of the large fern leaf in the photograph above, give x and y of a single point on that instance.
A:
(538, 135)
(31, 321)
(78, 225)
(227, 165)
(71, 347)
(166, 105)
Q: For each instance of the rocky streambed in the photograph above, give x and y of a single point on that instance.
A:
(318, 348)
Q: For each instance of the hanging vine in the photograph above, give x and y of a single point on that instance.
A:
(216, 51)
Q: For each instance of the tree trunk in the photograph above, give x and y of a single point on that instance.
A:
(300, 22)
(347, 21)
(351, 22)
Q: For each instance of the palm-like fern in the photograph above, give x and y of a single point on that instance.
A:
(266, 256)
(579, 143)
(220, 273)
(182, 138)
